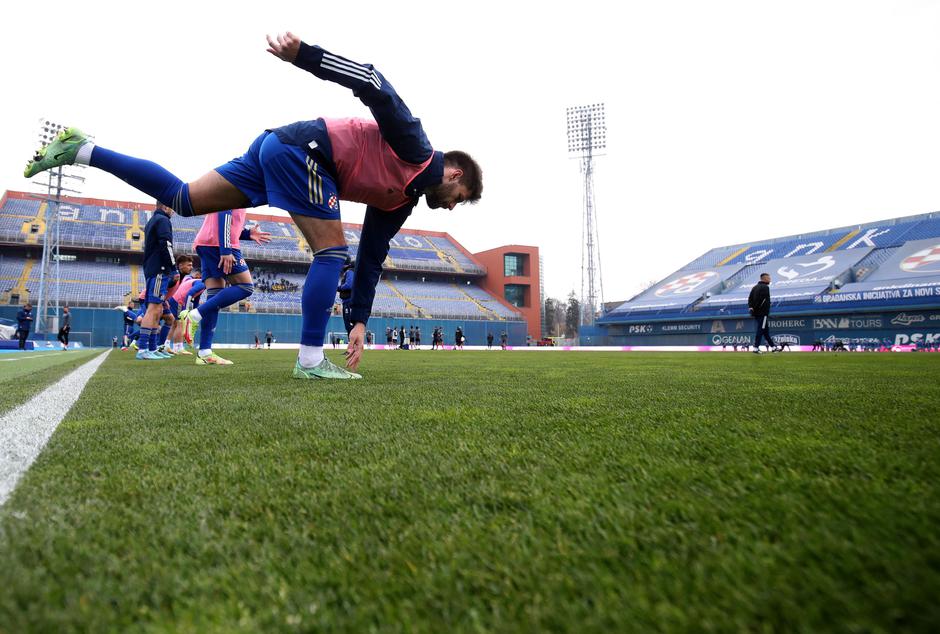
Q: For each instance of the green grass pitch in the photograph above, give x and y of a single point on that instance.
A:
(486, 491)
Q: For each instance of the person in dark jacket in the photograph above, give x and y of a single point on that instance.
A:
(758, 304)
(24, 322)
(65, 328)
(159, 271)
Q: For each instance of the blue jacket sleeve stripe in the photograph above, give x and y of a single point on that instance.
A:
(400, 129)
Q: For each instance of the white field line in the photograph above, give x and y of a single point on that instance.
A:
(25, 429)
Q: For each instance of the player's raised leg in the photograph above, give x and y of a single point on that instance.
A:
(209, 193)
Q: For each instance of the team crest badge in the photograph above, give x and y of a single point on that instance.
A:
(925, 261)
(686, 283)
(333, 202)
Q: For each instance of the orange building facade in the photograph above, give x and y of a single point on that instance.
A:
(514, 276)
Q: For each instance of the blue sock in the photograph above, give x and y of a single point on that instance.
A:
(146, 176)
(319, 293)
(164, 331)
(226, 297)
(209, 320)
(143, 342)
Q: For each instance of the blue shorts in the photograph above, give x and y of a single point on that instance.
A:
(209, 262)
(129, 329)
(283, 176)
(156, 288)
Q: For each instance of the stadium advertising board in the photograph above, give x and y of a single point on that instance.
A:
(910, 276)
(808, 274)
(680, 289)
(892, 328)
(915, 259)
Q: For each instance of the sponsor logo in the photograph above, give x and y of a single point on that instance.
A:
(903, 319)
(788, 323)
(924, 261)
(826, 323)
(731, 340)
(852, 340)
(640, 329)
(718, 326)
(793, 340)
(810, 268)
(682, 327)
(928, 338)
(685, 284)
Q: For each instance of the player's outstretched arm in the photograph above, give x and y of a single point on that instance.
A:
(400, 129)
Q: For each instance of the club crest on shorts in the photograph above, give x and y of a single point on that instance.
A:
(333, 202)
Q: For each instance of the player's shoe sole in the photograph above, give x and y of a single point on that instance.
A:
(62, 151)
(212, 359)
(146, 355)
(186, 352)
(326, 369)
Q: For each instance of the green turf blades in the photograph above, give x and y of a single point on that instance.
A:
(61, 151)
(326, 369)
(555, 492)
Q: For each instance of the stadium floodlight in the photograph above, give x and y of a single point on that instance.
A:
(587, 129)
(47, 307)
(587, 133)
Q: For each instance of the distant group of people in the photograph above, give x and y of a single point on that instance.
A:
(404, 339)
(24, 323)
(410, 339)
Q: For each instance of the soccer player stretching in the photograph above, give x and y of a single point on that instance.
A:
(217, 245)
(305, 168)
(189, 289)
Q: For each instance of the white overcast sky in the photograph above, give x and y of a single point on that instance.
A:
(728, 121)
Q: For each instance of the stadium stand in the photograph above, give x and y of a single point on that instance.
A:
(427, 275)
(804, 267)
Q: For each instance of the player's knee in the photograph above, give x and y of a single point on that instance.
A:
(181, 202)
(247, 289)
(330, 254)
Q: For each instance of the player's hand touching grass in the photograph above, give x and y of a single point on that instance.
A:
(354, 350)
(284, 46)
(259, 236)
(226, 262)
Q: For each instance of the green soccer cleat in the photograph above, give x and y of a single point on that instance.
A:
(212, 359)
(61, 151)
(189, 327)
(326, 369)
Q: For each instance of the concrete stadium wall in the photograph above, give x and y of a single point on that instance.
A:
(241, 327)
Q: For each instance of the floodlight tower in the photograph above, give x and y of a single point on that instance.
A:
(47, 308)
(587, 133)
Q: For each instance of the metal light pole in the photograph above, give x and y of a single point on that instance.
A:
(47, 308)
(587, 133)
